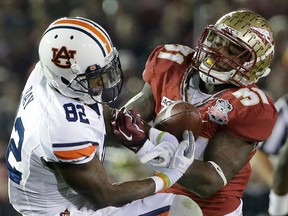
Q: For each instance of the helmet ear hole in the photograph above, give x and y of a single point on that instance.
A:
(65, 81)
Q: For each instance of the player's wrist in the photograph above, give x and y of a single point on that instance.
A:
(158, 136)
(162, 181)
(166, 179)
(159, 183)
(135, 145)
(154, 135)
(278, 204)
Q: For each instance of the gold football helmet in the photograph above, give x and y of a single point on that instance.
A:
(238, 49)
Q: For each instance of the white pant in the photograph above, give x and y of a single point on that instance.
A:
(156, 204)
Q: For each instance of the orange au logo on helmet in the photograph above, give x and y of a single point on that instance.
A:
(61, 57)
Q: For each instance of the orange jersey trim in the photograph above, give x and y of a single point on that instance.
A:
(75, 154)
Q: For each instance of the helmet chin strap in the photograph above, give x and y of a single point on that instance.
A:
(204, 71)
(88, 99)
(50, 78)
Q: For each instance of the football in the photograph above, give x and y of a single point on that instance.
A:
(177, 117)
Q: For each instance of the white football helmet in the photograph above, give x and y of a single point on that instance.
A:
(238, 49)
(79, 60)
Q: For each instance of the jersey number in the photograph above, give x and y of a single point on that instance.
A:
(251, 96)
(75, 112)
(13, 153)
(176, 57)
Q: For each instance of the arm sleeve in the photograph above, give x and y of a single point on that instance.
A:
(68, 142)
(164, 71)
(250, 122)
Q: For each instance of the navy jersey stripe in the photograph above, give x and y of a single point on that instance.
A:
(60, 145)
(157, 211)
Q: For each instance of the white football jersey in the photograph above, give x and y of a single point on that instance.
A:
(50, 128)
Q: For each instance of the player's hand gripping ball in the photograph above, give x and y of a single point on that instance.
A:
(178, 117)
(129, 128)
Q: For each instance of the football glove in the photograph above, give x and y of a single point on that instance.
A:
(129, 128)
(159, 149)
(181, 161)
(165, 160)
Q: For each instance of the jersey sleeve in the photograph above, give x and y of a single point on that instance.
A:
(246, 113)
(70, 139)
(164, 72)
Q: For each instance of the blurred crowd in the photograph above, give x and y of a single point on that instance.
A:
(135, 27)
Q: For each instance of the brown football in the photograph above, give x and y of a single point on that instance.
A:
(177, 117)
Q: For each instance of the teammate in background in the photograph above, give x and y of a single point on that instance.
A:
(57, 145)
(278, 204)
(219, 78)
(276, 177)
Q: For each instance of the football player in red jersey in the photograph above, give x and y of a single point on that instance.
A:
(219, 78)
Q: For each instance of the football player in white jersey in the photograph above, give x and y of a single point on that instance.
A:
(55, 153)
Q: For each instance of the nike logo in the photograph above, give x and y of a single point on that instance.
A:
(129, 138)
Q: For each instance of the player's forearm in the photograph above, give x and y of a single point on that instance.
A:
(280, 185)
(143, 103)
(126, 192)
(117, 194)
(263, 167)
(202, 179)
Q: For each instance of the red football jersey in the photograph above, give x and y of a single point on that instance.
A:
(246, 113)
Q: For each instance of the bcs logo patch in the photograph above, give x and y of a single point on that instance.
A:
(219, 112)
(166, 101)
(61, 57)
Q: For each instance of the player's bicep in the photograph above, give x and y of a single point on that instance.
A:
(230, 153)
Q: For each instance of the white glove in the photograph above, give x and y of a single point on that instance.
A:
(183, 158)
(159, 148)
(179, 162)
(278, 205)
